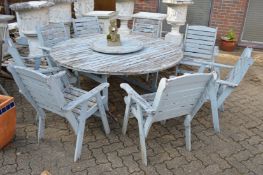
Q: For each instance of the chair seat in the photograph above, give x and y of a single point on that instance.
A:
(73, 93)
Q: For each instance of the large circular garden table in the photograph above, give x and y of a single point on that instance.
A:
(157, 55)
(76, 54)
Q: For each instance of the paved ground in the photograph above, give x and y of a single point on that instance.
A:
(238, 149)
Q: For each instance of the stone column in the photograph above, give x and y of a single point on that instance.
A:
(176, 16)
(31, 15)
(61, 13)
(125, 10)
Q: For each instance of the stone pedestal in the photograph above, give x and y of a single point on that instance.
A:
(86, 8)
(61, 13)
(125, 10)
(3, 32)
(31, 15)
(82, 7)
(176, 17)
(104, 18)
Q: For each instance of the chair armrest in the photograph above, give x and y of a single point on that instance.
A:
(222, 82)
(45, 48)
(219, 65)
(137, 98)
(85, 97)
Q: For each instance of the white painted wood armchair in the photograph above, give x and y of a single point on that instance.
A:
(234, 77)
(86, 26)
(33, 62)
(148, 24)
(49, 35)
(55, 94)
(199, 48)
(175, 97)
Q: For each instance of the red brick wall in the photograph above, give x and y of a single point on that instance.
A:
(146, 6)
(228, 14)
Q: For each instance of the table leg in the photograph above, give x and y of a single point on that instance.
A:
(101, 79)
(149, 88)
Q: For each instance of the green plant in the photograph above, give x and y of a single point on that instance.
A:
(230, 36)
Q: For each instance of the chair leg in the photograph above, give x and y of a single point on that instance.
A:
(221, 108)
(126, 116)
(41, 126)
(176, 70)
(215, 116)
(147, 77)
(77, 76)
(214, 106)
(103, 114)
(187, 125)
(142, 142)
(163, 122)
(79, 141)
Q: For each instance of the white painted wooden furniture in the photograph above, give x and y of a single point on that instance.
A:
(17, 59)
(125, 10)
(55, 94)
(30, 15)
(176, 17)
(39, 63)
(85, 26)
(76, 54)
(50, 35)
(148, 24)
(199, 48)
(175, 97)
(234, 77)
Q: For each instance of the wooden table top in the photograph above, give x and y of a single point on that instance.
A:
(157, 55)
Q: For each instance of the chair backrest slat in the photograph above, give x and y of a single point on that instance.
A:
(199, 43)
(179, 96)
(86, 26)
(147, 27)
(51, 34)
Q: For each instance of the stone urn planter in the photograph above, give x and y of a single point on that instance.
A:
(176, 17)
(32, 14)
(61, 12)
(7, 120)
(4, 32)
(125, 10)
(83, 7)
